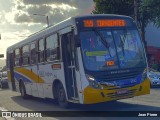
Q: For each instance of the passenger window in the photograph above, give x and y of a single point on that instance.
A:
(52, 48)
(33, 54)
(41, 50)
(17, 57)
(25, 55)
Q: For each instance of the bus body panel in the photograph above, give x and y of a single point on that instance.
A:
(9, 79)
(92, 96)
(84, 82)
(39, 78)
(39, 84)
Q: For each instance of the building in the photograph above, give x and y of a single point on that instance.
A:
(152, 36)
(153, 54)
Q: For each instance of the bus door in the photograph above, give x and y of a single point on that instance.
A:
(69, 65)
(33, 70)
(11, 68)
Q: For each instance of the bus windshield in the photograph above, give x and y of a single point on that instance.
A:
(123, 49)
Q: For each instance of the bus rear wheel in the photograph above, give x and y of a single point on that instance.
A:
(61, 96)
(23, 91)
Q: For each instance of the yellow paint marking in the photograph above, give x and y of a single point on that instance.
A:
(92, 95)
(30, 74)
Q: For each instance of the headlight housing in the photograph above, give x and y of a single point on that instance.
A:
(92, 82)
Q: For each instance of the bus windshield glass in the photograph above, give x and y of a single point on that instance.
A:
(111, 49)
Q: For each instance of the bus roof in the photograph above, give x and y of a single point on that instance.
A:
(103, 15)
(66, 23)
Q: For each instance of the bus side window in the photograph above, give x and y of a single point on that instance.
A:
(17, 57)
(33, 53)
(21, 57)
(41, 50)
(25, 54)
(52, 48)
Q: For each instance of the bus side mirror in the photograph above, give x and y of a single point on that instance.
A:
(77, 41)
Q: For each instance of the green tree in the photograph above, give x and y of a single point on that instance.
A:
(153, 8)
(122, 7)
(148, 11)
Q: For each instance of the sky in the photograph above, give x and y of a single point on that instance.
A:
(17, 20)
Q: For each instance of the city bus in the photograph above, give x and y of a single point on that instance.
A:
(84, 59)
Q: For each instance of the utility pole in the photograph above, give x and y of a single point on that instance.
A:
(1, 55)
(47, 20)
(136, 11)
(140, 26)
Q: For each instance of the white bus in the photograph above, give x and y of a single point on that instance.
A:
(85, 59)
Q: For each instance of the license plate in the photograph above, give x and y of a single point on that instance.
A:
(119, 92)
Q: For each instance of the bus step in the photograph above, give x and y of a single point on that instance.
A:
(76, 99)
(73, 101)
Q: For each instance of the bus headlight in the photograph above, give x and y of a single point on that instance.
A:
(144, 75)
(92, 82)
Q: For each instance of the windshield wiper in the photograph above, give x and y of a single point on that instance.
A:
(102, 40)
(124, 38)
(122, 45)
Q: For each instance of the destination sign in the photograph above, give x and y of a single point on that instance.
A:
(104, 23)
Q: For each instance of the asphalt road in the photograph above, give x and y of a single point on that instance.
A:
(12, 101)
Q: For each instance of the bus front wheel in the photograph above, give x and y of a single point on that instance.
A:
(61, 97)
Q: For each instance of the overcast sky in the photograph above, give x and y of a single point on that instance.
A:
(17, 20)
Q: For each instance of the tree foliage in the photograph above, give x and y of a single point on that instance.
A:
(122, 7)
(147, 10)
(153, 9)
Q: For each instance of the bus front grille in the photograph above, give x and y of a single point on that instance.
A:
(118, 77)
(129, 93)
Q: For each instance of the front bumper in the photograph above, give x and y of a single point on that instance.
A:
(92, 95)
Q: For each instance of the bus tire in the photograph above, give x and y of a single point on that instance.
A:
(61, 96)
(23, 91)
